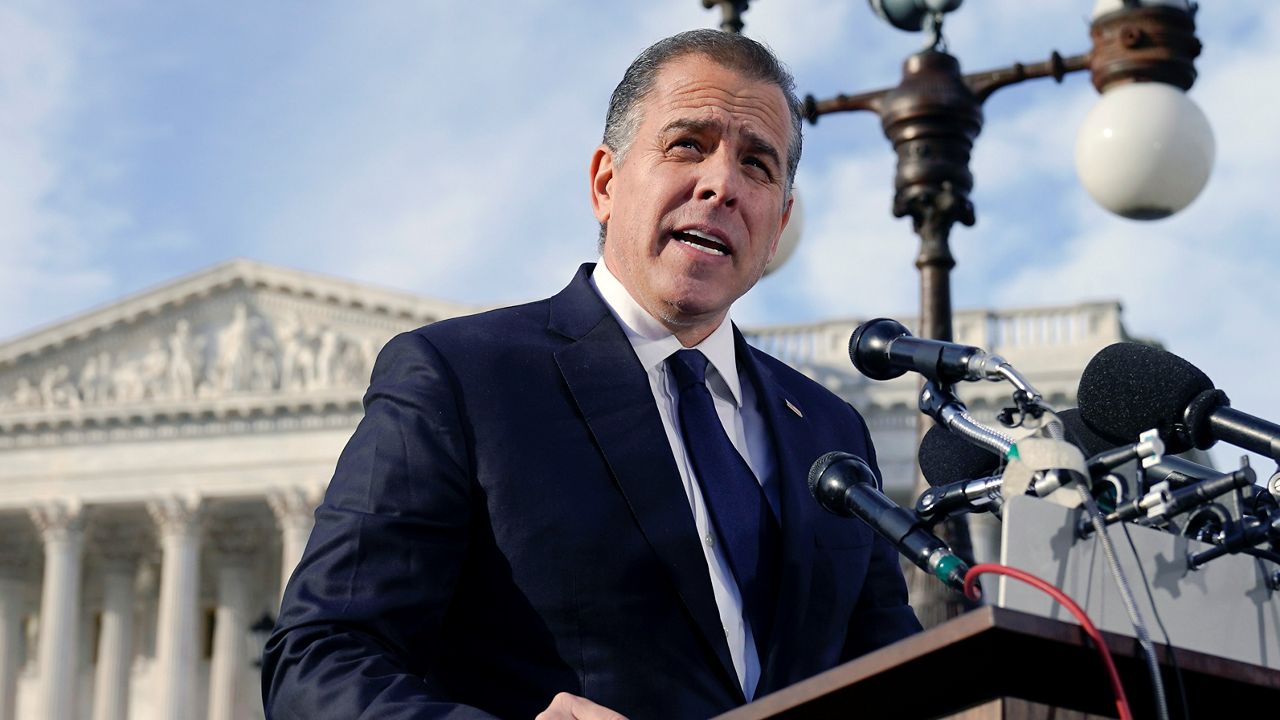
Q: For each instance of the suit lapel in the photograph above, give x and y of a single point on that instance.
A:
(612, 391)
(790, 432)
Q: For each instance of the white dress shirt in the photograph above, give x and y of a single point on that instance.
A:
(735, 403)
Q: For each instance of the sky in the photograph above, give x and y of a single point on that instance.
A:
(442, 147)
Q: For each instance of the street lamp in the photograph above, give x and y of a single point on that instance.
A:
(1145, 150)
(1143, 153)
(260, 631)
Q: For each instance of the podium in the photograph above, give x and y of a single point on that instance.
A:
(999, 663)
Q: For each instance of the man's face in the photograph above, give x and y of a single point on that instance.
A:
(695, 209)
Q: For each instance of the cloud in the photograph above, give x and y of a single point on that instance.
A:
(855, 258)
(45, 228)
(459, 186)
(802, 32)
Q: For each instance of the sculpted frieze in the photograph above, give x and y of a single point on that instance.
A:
(242, 352)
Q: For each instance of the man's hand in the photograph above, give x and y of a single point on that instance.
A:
(571, 707)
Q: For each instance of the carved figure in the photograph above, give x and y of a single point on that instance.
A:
(264, 371)
(127, 382)
(89, 380)
(297, 359)
(105, 383)
(325, 356)
(153, 368)
(350, 364)
(229, 370)
(57, 390)
(182, 380)
(46, 388)
(26, 396)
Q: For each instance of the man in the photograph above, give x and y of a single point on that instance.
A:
(534, 519)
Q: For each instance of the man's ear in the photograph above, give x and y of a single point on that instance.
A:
(786, 217)
(601, 173)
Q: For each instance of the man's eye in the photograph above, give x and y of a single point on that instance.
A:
(756, 162)
(687, 143)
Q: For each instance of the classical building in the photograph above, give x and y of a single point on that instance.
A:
(160, 459)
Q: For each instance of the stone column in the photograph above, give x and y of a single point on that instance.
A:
(15, 554)
(294, 508)
(178, 525)
(61, 525)
(235, 541)
(11, 591)
(115, 642)
(118, 547)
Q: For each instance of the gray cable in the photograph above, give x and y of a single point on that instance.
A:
(1144, 639)
(959, 420)
(1054, 429)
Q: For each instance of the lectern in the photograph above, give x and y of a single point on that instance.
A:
(999, 663)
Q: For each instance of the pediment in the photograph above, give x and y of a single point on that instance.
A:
(231, 338)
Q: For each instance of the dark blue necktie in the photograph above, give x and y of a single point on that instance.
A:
(737, 504)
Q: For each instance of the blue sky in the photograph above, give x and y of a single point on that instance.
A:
(441, 148)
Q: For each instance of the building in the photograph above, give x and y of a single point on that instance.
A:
(160, 459)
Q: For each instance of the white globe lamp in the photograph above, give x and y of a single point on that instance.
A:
(790, 235)
(1145, 150)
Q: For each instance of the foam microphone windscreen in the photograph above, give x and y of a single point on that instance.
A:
(1128, 388)
(1090, 442)
(946, 457)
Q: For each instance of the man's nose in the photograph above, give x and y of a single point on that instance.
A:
(719, 181)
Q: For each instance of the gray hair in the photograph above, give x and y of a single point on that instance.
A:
(735, 52)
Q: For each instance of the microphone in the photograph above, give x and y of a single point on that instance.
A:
(844, 485)
(1243, 537)
(1128, 388)
(1163, 502)
(883, 349)
(1106, 455)
(963, 476)
(946, 457)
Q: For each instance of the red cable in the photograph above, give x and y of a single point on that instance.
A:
(973, 592)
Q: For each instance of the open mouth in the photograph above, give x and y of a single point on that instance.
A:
(702, 242)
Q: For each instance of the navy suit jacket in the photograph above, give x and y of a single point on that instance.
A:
(508, 522)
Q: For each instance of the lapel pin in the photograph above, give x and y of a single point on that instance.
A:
(793, 408)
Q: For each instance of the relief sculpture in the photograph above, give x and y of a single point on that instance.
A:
(247, 353)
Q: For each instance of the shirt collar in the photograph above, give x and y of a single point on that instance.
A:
(652, 341)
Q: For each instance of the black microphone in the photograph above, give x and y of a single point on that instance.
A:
(963, 476)
(883, 349)
(844, 485)
(1105, 455)
(1128, 388)
(1244, 536)
(946, 457)
(1162, 503)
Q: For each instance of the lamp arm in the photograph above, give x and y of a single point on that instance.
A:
(872, 101)
(982, 84)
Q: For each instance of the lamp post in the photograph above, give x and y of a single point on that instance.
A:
(1143, 153)
(259, 632)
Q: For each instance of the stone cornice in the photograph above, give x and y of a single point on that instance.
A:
(1058, 334)
(247, 405)
(193, 418)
